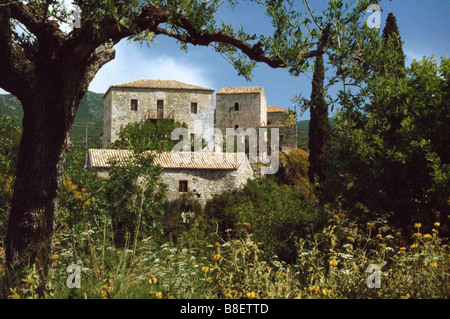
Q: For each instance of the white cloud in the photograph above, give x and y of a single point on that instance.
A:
(132, 62)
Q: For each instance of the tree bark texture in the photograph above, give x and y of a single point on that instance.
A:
(319, 126)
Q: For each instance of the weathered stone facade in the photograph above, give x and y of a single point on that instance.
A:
(246, 107)
(155, 99)
(205, 183)
(202, 173)
(276, 117)
(242, 107)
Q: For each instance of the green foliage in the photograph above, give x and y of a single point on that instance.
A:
(10, 134)
(293, 167)
(144, 136)
(135, 195)
(393, 158)
(181, 215)
(275, 214)
(391, 36)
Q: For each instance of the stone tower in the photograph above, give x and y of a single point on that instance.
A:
(241, 107)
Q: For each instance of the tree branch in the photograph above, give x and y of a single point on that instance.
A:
(15, 69)
(312, 15)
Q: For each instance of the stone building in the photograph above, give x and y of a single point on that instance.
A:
(240, 107)
(143, 99)
(202, 173)
(246, 107)
(278, 117)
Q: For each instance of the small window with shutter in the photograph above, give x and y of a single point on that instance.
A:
(134, 105)
(183, 186)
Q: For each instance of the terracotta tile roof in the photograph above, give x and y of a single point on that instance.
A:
(99, 158)
(275, 109)
(240, 90)
(158, 84)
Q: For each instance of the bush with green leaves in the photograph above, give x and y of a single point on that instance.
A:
(10, 135)
(144, 136)
(181, 215)
(276, 214)
(391, 157)
(293, 167)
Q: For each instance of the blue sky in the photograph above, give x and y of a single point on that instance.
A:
(423, 25)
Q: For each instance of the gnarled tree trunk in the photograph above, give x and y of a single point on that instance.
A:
(49, 108)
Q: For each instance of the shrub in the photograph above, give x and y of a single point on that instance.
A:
(390, 159)
(276, 214)
(181, 215)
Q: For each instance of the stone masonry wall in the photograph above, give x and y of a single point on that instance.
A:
(203, 182)
(252, 111)
(120, 113)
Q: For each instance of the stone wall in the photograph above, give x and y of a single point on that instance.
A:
(117, 106)
(252, 110)
(205, 183)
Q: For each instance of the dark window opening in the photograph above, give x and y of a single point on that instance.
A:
(160, 109)
(192, 142)
(134, 105)
(182, 186)
(194, 108)
(236, 106)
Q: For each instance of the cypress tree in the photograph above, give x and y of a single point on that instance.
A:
(391, 36)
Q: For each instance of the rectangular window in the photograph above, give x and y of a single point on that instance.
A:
(194, 108)
(134, 105)
(183, 186)
(192, 142)
(160, 109)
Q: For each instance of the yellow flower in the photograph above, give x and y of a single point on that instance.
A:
(333, 262)
(370, 224)
(402, 248)
(427, 236)
(251, 294)
(434, 265)
(437, 224)
(158, 294)
(153, 280)
(325, 291)
(15, 296)
(54, 256)
(379, 236)
(417, 225)
(351, 239)
(414, 246)
(215, 257)
(205, 269)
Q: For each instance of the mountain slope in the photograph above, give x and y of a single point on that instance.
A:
(90, 109)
